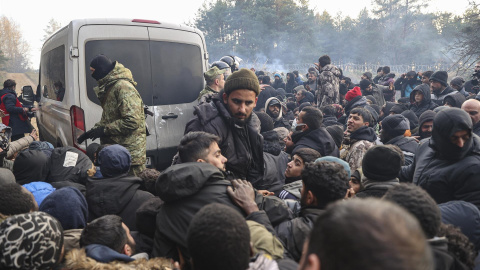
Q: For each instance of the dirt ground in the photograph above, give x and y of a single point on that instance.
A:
(22, 80)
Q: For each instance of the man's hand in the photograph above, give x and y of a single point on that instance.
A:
(34, 135)
(243, 196)
(265, 192)
(83, 137)
(97, 133)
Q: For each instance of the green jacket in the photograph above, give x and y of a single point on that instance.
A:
(122, 116)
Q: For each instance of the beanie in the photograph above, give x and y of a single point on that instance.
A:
(355, 92)
(345, 165)
(114, 160)
(458, 81)
(381, 163)
(411, 73)
(440, 76)
(426, 116)
(242, 79)
(364, 84)
(102, 65)
(368, 75)
(395, 124)
(266, 122)
(412, 118)
(398, 108)
(336, 132)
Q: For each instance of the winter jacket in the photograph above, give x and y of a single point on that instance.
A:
(18, 145)
(471, 86)
(69, 164)
(291, 83)
(330, 121)
(406, 86)
(293, 232)
(265, 94)
(386, 80)
(476, 128)
(465, 216)
(377, 93)
(77, 259)
(454, 100)
(375, 189)
(40, 190)
(119, 195)
(30, 166)
(329, 85)
(408, 145)
(279, 121)
(318, 139)
(444, 170)
(275, 163)
(123, 117)
(442, 257)
(18, 125)
(185, 189)
(426, 104)
(438, 98)
(240, 144)
(278, 84)
(356, 145)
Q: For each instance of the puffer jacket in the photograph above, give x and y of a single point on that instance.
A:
(318, 139)
(426, 104)
(329, 85)
(408, 145)
(240, 144)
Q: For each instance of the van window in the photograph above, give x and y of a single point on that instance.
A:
(52, 76)
(161, 69)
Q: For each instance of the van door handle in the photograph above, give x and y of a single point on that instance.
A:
(170, 115)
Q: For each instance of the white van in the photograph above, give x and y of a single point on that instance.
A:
(167, 61)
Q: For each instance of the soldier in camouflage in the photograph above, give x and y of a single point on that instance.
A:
(328, 82)
(123, 118)
(215, 81)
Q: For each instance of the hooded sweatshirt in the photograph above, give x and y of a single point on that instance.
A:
(425, 117)
(291, 83)
(426, 104)
(454, 100)
(69, 206)
(279, 121)
(446, 171)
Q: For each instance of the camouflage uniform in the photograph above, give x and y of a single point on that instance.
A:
(123, 116)
(206, 94)
(329, 85)
(353, 152)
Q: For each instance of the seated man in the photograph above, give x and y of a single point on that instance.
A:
(107, 240)
(117, 193)
(374, 235)
(187, 187)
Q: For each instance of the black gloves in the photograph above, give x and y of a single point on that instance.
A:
(92, 134)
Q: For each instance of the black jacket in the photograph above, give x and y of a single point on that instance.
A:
(444, 259)
(476, 129)
(18, 125)
(376, 189)
(444, 170)
(318, 139)
(278, 84)
(291, 83)
(119, 195)
(186, 188)
(293, 232)
(438, 98)
(408, 145)
(266, 93)
(240, 144)
(426, 104)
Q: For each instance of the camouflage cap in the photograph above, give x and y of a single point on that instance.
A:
(212, 73)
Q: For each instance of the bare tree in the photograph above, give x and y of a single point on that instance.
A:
(51, 28)
(13, 46)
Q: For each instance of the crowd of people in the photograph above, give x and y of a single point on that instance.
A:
(321, 174)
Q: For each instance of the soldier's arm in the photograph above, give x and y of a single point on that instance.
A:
(130, 107)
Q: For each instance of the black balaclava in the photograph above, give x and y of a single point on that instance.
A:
(102, 66)
(445, 124)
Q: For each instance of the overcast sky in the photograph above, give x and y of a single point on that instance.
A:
(33, 16)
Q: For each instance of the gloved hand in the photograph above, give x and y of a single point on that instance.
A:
(97, 132)
(83, 137)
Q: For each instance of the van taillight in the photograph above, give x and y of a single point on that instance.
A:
(145, 21)
(77, 118)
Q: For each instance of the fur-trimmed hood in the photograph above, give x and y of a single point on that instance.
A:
(77, 259)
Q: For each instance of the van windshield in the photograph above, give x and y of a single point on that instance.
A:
(166, 72)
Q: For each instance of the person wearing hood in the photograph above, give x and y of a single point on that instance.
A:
(446, 165)
(472, 107)
(313, 135)
(297, 77)
(359, 137)
(425, 125)
(328, 82)
(370, 89)
(278, 82)
(117, 193)
(454, 100)
(123, 118)
(329, 118)
(393, 132)
(458, 83)
(14, 114)
(421, 100)
(387, 79)
(291, 83)
(412, 119)
(273, 108)
(30, 166)
(407, 82)
(439, 87)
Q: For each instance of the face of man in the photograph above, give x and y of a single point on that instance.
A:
(277, 78)
(436, 87)
(418, 97)
(240, 103)
(274, 110)
(472, 107)
(477, 67)
(220, 81)
(354, 183)
(215, 157)
(294, 167)
(299, 96)
(289, 143)
(369, 88)
(301, 126)
(426, 80)
(427, 128)
(355, 122)
(288, 77)
(459, 138)
(311, 77)
(130, 240)
(92, 70)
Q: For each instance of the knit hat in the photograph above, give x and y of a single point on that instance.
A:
(212, 73)
(381, 163)
(364, 84)
(440, 76)
(30, 241)
(368, 75)
(114, 160)
(395, 124)
(355, 92)
(266, 122)
(412, 118)
(337, 160)
(242, 79)
(426, 116)
(277, 75)
(102, 65)
(398, 108)
(336, 132)
(458, 81)
(411, 73)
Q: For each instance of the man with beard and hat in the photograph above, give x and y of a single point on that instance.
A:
(407, 82)
(446, 165)
(425, 125)
(229, 116)
(273, 108)
(439, 87)
(123, 117)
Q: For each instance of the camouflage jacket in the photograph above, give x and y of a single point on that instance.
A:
(206, 94)
(328, 86)
(122, 116)
(353, 151)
